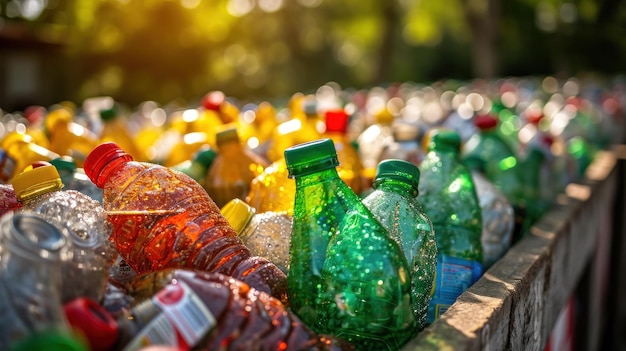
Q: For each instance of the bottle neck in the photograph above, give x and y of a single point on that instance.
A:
(329, 174)
(109, 168)
(396, 186)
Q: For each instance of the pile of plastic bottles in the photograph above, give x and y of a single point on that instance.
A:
(346, 219)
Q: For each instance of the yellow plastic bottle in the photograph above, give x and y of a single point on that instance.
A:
(233, 169)
(116, 130)
(301, 128)
(273, 190)
(22, 149)
(68, 137)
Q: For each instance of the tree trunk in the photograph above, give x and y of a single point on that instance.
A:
(483, 17)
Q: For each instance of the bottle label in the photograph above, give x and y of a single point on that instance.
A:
(453, 276)
(183, 321)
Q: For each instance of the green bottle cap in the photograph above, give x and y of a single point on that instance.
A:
(108, 114)
(444, 139)
(311, 157)
(205, 157)
(400, 170)
(64, 163)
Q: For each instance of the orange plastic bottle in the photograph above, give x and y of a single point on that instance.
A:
(163, 218)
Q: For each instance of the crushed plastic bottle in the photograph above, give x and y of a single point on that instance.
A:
(266, 234)
(163, 218)
(448, 195)
(347, 276)
(200, 311)
(394, 203)
(32, 252)
(81, 219)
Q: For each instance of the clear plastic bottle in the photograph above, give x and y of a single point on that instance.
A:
(266, 234)
(163, 218)
(497, 213)
(233, 168)
(448, 196)
(374, 140)
(81, 219)
(394, 203)
(74, 178)
(347, 277)
(200, 311)
(31, 254)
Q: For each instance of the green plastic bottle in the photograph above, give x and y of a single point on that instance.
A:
(448, 194)
(347, 277)
(501, 164)
(394, 203)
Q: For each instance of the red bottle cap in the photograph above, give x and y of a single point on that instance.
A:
(96, 163)
(484, 122)
(94, 321)
(213, 101)
(336, 121)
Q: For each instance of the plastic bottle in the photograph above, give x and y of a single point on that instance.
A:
(394, 203)
(198, 166)
(22, 149)
(501, 163)
(74, 178)
(350, 167)
(162, 218)
(81, 219)
(68, 137)
(233, 168)
(273, 190)
(346, 277)
(8, 199)
(406, 145)
(448, 194)
(374, 140)
(196, 310)
(305, 125)
(31, 255)
(498, 218)
(115, 129)
(266, 234)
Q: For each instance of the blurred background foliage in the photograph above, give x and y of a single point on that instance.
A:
(164, 50)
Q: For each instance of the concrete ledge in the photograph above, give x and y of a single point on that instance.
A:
(516, 303)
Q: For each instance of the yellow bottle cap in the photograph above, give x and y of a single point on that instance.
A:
(384, 116)
(238, 214)
(36, 181)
